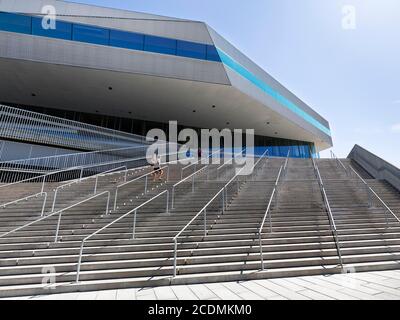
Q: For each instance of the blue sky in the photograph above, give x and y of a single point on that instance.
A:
(350, 76)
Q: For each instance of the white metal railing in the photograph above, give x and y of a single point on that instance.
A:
(44, 194)
(133, 211)
(371, 192)
(224, 198)
(230, 161)
(328, 210)
(96, 177)
(23, 125)
(145, 177)
(60, 212)
(196, 163)
(340, 163)
(268, 213)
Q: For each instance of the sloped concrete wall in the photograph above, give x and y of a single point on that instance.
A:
(375, 166)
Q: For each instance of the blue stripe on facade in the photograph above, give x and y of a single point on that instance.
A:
(235, 66)
(25, 24)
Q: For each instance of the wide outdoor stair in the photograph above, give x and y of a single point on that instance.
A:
(299, 241)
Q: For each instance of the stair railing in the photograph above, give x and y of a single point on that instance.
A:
(340, 163)
(371, 192)
(196, 163)
(134, 212)
(144, 177)
(268, 214)
(230, 161)
(60, 212)
(224, 201)
(329, 211)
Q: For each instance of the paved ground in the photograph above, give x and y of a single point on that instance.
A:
(383, 285)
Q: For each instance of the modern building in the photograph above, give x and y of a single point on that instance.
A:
(132, 71)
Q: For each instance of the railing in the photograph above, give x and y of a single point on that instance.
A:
(224, 198)
(268, 213)
(192, 176)
(230, 161)
(339, 162)
(23, 125)
(371, 192)
(60, 163)
(134, 211)
(196, 163)
(145, 177)
(27, 198)
(96, 177)
(60, 213)
(328, 210)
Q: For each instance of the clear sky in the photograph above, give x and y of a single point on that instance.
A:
(347, 70)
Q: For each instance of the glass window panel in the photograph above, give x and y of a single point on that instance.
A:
(15, 23)
(160, 45)
(212, 54)
(191, 50)
(128, 40)
(91, 34)
(63, 30)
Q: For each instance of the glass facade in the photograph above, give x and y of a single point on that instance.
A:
(18, 23)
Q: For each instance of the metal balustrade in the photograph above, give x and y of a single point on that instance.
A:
(372, 193)
(60, 212)
(222, 193)
(27, 126)
(134, 212)
(328, 210)
(340, 163)
(197, 163)
(274, 194)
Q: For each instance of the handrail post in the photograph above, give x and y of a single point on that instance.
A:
(223, 202)
(145, 185)
(205, 222)
(134, 225)
(172, 197)
(193, 183)
(167, 180)
(261, 251)
(58, 227)
(167, 206)
(78, 269)
(95, 185)
(44, 203)
(175, 254)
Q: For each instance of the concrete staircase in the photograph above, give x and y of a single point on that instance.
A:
(301, 241)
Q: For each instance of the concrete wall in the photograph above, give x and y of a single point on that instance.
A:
(375, 166)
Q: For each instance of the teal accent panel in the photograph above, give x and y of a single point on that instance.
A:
(237, 67)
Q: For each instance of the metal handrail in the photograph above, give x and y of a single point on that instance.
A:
(329, 211)
(85, 179)
(230, 161)
(223, 193)
(184, 180)
(196, 163)
(60, 212)
(137, 179)
(375, 194)
(27, 198)
(339, 162)
(115, 221)
(268, 213)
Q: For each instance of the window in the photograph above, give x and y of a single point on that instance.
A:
(160, 45)
(91, 34)
(15, 23)
(63, 29)
(128, 40)
(191, 50)
(212, 54)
